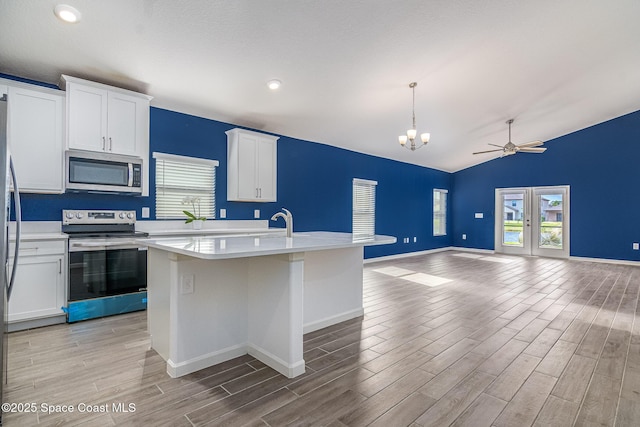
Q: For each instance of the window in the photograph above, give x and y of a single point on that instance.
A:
(440, 212)
(364, 208)
(185, 183)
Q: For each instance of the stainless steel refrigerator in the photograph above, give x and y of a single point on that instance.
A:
(7, 276)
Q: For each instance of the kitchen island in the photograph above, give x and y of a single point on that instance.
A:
(211, 299)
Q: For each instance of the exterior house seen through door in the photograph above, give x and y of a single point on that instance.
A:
(532, 221)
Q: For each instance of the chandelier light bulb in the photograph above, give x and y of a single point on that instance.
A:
(411, 133)
(402, 139)
(425, 137)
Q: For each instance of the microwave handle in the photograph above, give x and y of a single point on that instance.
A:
(130, 181)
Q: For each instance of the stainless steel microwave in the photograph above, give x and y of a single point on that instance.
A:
(103, 172)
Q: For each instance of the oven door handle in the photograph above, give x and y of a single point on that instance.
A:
(102, 246)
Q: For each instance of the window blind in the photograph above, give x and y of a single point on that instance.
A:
(364, 208)
(185, 183)
(440, 212)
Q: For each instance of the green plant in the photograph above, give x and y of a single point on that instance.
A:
(195, 204)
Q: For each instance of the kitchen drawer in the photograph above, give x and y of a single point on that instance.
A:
(39, 247)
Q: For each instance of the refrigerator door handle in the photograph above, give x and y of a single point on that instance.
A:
(18, 209)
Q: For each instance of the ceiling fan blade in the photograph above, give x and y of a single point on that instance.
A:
(532, 150)
(488, 151)
(531, 144)
(496, 145)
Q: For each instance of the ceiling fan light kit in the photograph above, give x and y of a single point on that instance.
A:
(412, 133)
(510, 148)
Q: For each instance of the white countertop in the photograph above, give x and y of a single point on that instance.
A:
(244, 246)
(37, 230)
(219, 226)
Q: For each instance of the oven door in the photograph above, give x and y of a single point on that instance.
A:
(97, 271)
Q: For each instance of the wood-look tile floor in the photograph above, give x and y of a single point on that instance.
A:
(529, 341)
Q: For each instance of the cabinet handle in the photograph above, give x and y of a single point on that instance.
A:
(59, 266)
(110, 144)
(261, 193)
(257, 193)
(104, 143)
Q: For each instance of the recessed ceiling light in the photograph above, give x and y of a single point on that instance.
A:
(274, 84)
(67, 13)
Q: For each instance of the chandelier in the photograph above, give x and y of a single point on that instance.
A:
(411, 133)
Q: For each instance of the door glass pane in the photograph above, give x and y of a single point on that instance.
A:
(513, 219)
(550, 221)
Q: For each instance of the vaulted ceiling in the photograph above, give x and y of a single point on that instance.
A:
(555, 66)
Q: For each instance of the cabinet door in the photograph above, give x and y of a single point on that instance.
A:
(36, 139)
(124, 125)
(38, 290)
(247, 168)
(266, 171)
(87, 119)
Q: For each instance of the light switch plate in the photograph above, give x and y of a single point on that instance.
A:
(636, 246)
(464, 237)
(145, 213)
(479, 215)
(223, 213)
(256, 214)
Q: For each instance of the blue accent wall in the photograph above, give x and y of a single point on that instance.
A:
(314, 182)
(600, 163)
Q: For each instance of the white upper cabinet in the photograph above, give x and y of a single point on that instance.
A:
(36, 133)
(106, 119)
(251, 166)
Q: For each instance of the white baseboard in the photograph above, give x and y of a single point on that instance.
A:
(605, 260)
(479, 251)
(288, 370)
(176, 370)
(328, 321)
(427, 252)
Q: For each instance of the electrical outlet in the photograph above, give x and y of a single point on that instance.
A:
(256, 214)
(145, 213)
(636, 246)
(187, 284)
(415, 239)
(464, 237)
(223, 213)
(406, 240)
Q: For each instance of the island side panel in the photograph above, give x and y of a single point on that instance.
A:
(332, 287)
(200, 328)
(275, 312)
(158, 292)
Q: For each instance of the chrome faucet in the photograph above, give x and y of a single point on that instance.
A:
(288, 219)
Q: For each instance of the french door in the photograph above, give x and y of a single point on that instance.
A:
(532, 221)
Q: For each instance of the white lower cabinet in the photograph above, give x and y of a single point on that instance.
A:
(39, 287)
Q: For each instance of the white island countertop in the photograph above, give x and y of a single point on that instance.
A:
(260, 244)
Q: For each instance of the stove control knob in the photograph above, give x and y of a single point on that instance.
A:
(130, 215)
(121, 215)
(79, 215)
(70, 215)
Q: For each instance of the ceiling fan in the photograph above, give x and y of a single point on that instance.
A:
(510, 148)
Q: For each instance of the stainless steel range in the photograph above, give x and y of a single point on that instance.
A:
(107, 268)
